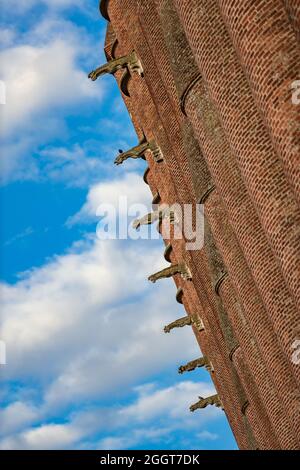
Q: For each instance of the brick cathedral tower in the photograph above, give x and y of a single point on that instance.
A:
(213, 90)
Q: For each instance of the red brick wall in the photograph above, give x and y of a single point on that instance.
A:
(232, 140)
(269, 52)
(160, 180)
(292, 8)
(200, 26)
(252, 162)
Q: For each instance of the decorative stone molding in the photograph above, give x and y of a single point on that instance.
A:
(159, 215)
(244, 407)
(213, 400)
(156, 198)
(139, 152)
(170, 271)
(219, 282)
(179, 295)
(180, 323)
(103, 4)
(186, 92)
(231, 354)
(130, 63)
(145, 175)
(146, 219)
(156, 151)
(167, 252)
(198, 323)
(113, 48)
(192, 365)
(205, 195)
(188, 320)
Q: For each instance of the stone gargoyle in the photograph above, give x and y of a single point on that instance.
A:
(170, 271)
(139, 152)
(192, 365)
(158, 215)
(213, 400)
(129, 63)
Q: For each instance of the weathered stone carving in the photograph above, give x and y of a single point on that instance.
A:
(146, 220)
(179, 268)
(198, 323)
(156, 198)
(103, 9)
(179, 295)
(113, 48)
(139, 152)
(167, 252)
(192, 365)
(130, 63)
(145, 175)
(134, 152)
(181, 322)
(188, 320)
(159, 215)
(204, 402)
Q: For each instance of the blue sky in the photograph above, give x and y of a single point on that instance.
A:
(88, 366)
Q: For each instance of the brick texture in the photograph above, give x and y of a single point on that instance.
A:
(292, 8)
(209, 104)
(267, 48)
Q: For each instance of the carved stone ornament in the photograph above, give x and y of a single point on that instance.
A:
(192, 365)
(103, 4)
(181, 322)
(145, 175)
(180, 268)
(139, 152)
(156, 198)
(130, 63)
(154, 216)
(198, 323)
(167, 252)
(185, 321)
(179, 295)
(213, 400)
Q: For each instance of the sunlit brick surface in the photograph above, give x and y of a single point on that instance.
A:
(208, 101)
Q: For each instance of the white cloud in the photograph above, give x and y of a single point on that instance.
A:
(40, 78)
(7, 37)
(109, 192)
(150, 419)
(49, 436)
(207, 436)
(45, 71)
(72, 166)
(17, 415)
(92, 312)
(88, 325)
(22, 6)
(173, 401)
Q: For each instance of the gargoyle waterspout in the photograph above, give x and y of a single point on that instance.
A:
(180, 323)
(188, 320)
(130, 63)
(192, 365)
(213, 400)
(154, 216)
(179, 268)
(139, 152)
